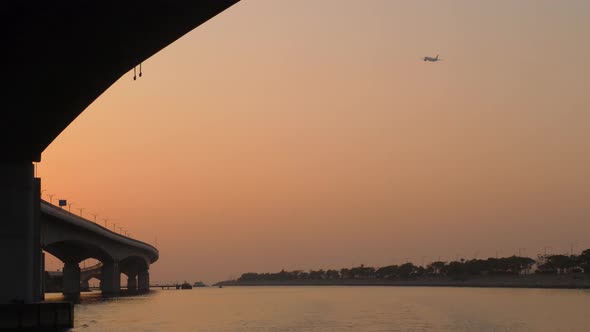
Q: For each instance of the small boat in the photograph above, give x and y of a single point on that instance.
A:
(186, 285)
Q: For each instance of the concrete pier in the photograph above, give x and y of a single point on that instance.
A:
(111, 279)
(19, 245)
(71, 280)
(37, 316)
(143, 281)
(132, 283)
(84, 286)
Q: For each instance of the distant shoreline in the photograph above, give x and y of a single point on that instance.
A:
(530, 281)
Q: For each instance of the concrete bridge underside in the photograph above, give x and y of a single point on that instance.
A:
(58, 57)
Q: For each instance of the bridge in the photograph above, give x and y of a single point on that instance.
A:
(73, 239)
(58, 58)
(90, 272)
(86, 273)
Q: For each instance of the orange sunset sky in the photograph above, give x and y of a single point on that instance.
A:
(304, 134)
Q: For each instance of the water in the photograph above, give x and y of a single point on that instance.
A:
(338, 309)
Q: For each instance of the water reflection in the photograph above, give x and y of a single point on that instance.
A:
(337, 309)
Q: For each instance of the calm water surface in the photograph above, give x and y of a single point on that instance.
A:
(338, 309)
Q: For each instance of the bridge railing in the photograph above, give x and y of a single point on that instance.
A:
(97, 227)
(92, 268)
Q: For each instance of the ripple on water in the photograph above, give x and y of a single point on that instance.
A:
(284, 309)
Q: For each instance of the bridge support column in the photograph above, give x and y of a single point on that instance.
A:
(71, 280)
(132, 282)
(84, 286)
(110, 283)
(19, 233)
(143, 281)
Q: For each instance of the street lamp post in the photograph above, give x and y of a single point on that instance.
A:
(81, 209)
(50, 198)
(70, 207)
(94, 215)
(545, 249)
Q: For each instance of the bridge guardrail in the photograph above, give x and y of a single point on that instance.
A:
(73, 218)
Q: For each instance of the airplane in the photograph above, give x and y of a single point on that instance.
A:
(427, 58)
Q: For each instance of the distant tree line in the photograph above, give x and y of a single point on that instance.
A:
(514, 265)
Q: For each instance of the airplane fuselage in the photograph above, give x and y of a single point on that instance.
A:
(427, 58)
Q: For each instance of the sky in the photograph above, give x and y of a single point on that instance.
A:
(305, 134)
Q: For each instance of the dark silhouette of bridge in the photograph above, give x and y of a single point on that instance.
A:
(86, 273)
(58, 57)
(73, 239)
